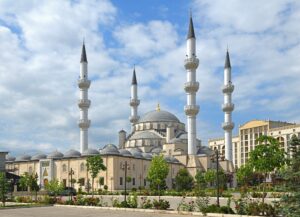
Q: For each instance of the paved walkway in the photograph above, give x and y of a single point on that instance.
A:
(75, 212)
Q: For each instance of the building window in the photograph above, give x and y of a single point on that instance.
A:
(145, 167)
(133, 166)
(30, 170)
(82, 167)
(121, 180)
(133, 181)
(64, 168)
(64, 182)
(145, 182)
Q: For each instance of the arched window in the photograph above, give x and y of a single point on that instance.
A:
(64, 168)
(82, 167)
(223, 151)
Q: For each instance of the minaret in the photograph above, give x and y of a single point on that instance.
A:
(83, 102)
(134, 101)
(227, 107)
(191, 87)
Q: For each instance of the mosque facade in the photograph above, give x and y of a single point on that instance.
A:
(157, 132)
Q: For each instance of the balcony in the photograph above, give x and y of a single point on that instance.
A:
(191, 87)
(228, 88)
(84, 123)
(228, 107)
(134, 102)
(84, 103)
(191, 63)
(191, 110)
(134, 119)
(84, 83)
(227, 125)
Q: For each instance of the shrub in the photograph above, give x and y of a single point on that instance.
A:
(184, 206)
(146, 203)
(133, 189)
(161, 204)
(202, 203)
(48, 200)
(132, 201)
(105, 187)
(23, 199)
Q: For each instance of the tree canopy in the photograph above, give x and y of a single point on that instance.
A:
(183, 180)
(94, 166)
(158, 172)
(4, 185)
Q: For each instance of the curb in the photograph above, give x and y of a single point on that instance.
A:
(154, 211)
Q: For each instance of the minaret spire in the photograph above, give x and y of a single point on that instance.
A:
(191, 32)
(134, 101)
(83, 102)
(191, 87)
(227, 108)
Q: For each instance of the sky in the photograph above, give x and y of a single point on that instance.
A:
(40, 47)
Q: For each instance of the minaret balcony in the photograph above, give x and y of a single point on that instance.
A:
(191, 110)
(191, 87)
(191, 63)
(228, 88)
(84, 103)
(134, 119)
(227, 125)
(83, 123)
(228, 107)
(84, 83)
(134, 102)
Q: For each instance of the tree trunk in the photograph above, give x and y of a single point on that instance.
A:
(92, 187)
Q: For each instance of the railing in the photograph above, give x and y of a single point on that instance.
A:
(134, 102)
(191, 109)
(228, 88)
(227, 125)
(228, 107)
(84, 83)
(84, 102)
(191, 86)
(191, 62)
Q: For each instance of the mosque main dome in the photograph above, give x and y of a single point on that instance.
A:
(159, 116)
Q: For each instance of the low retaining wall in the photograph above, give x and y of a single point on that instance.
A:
(154, 211)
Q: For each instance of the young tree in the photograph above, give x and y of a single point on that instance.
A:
(4, 185)
(210, 176)
(55, 187)
(183, 180)
(94, 165)
(158, 172)
(266, 157)
(23, 182)
(244, 175)
(294, 145)
(200, 181)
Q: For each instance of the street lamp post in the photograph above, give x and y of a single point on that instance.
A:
(216, 159)
(125, 167)
(71, 173)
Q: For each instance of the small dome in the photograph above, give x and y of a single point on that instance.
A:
(55, 155)
(135, 153)
(90, 152)
(147, 155)
(168, 159)
(156, 150)
(24, 157)
(110, 149)
(39, 157)
(10, 158)
(159, 116)
(125, 153)
(72, 153)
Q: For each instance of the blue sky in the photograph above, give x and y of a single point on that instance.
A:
(40, 49)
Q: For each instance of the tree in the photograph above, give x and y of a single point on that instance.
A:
(183, 180)
(29, 181)
(54, 187)
(210, 176)
(266, 157)
(4, 185)
(158, 172)
(23, 182)
(290, 203)
(244, 175)
(200, 181)
(101, 181)
(94, 165)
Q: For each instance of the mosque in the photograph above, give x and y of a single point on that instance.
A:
(154, 133)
